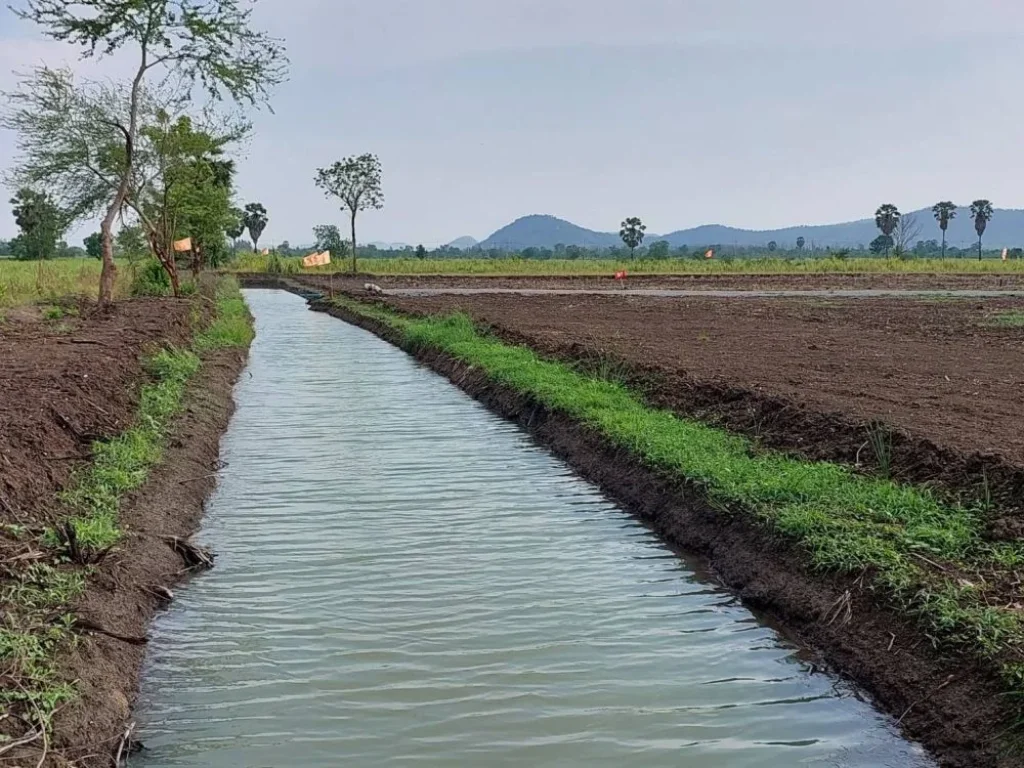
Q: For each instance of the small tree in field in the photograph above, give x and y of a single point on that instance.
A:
(632, 234)
(208, 42)
(40, 222)
(421, 252)
(328, 238)
(887, 217)
(944, 212)
(94, 245)
(800, 243)
(255, 220)
(981, 212)
(356, 182)
(772, 246)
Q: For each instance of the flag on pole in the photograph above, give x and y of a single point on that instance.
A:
(180, 246)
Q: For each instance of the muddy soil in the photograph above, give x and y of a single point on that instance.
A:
(948, 703)
(688, 282)
(63, 384)
(812, 376)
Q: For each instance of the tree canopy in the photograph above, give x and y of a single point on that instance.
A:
(356, 183)
(255, 219)
(632, 233)
(41, 224)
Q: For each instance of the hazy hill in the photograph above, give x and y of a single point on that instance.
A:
(463, 242)
(1005, 229)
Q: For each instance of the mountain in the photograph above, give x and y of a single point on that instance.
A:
(463, 242)
(545, 232)
(1005, 230)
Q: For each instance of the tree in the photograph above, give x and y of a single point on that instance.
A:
(880, 245)
(356, 182)
(130, 243)
(659, 250)
(772, 246)
(421, 252)
(235, 227)
(183, 189)
(205, 42)
(886, 218)
(255, 220)
(40, 222)
(328, 238)
(981, 212)
(632, 234)
(800, 242)
(94, 245)
(907, 231)
(944, 212)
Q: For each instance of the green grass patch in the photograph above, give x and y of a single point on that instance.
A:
(925, 555)
(1008, 319)
(30, 638)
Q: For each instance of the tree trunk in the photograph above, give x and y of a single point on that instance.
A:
(108, 273)
(979, 247)
(943, 245)
(353, 242)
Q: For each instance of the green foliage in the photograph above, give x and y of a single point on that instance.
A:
(41, 224)
(94, 245)
(881, 245)
(421, 252)
(151, 279)
(356, 182)
(800, 242)
(255, 220)
(659, 250)
(210, 43)
(232, 326)
(130, 244)
(632, 234)
(847, 523)
(328, 238)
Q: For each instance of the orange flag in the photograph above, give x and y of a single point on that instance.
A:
(183, 245)
(317, 259)
(710, 254)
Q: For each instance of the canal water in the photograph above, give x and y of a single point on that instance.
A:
(405, 579)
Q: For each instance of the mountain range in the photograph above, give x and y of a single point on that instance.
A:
(1006, 229)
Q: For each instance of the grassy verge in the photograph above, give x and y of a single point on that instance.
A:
(927, 558)
(512, 267)
(30, 637)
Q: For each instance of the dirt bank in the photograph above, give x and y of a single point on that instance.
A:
(73, 383)
(947, 702)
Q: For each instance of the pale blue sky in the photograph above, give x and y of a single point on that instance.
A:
(750, 113)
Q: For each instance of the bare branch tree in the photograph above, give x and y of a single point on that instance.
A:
(908, 230)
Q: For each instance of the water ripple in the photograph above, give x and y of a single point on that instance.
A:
(404, 578)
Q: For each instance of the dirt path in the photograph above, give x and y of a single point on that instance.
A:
(666, 293)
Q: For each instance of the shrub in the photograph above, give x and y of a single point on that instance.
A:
(151, 280)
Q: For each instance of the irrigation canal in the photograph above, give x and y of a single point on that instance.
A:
(404, 578)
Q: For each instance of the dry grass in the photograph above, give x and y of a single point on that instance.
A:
(27, 282)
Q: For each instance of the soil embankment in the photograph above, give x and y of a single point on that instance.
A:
(952, 705)
(64, 385)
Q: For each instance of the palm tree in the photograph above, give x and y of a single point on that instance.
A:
(981, 212)
(632, 233)
(887, 217)
(944, 212)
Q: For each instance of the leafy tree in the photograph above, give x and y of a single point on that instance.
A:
(205, 42)
(800, 242)
(881, 244)
(772, 246)
(659, 250)
(40, 222)
(632, 234)
(887, 218)
(328, 238)
(185, 190)
(421, 252)
(5, 248)
(94, 245)
(356, 182)
(944, 212)
(981, 212)
(236, 227)
(255, 219)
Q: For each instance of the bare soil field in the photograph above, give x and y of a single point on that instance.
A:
(820, 282)
(945, 377)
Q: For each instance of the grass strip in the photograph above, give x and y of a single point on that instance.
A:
(30, 640)
(927, 557)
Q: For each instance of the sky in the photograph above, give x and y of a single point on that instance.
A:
(684, 112)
